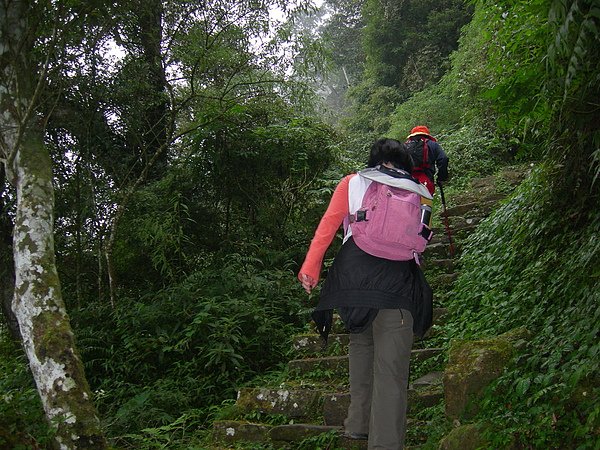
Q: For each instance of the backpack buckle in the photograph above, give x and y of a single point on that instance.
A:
(359, 216)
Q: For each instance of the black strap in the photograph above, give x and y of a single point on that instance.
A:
(426, 154)
(324, 321)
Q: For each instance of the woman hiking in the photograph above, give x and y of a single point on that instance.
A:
(381, 301)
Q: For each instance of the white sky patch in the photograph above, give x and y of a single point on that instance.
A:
(113, 52)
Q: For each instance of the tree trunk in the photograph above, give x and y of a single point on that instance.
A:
(37, 303)
(154, 130)
(39, 307)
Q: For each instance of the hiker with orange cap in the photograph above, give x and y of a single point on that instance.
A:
(428, 157)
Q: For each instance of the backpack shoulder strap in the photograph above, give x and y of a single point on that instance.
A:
(425, 152)
(402, 180)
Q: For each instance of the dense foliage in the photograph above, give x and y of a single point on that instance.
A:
(21, 415)
(534, 263)
(188, 346)
(408, 46)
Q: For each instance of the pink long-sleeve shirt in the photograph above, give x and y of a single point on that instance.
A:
(334, 216)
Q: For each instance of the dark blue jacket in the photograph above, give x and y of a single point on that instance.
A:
(438, 161)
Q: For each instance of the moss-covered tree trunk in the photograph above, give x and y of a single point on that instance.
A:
(37, 303)
(39, 307)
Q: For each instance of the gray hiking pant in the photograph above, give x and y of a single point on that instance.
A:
(379, 367)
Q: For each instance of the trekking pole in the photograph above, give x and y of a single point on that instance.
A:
(446, 223)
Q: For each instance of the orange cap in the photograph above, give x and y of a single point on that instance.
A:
(421, 129)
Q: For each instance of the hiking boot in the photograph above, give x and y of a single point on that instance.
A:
(356, 436)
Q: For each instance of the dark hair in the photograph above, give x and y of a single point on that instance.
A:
(392, 151)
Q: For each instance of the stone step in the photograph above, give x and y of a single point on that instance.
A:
(311, 345)
(442, 281)
(462, 223)
(283, 434)
(302, 404)
(439, 250)
(440, 246)
(457, 232)
(293, 403)
(459, 222)
(440, 236)
(458, 236)
(286, 434)
(480, 208)
(431, 379)
(327, 366)
(338, 365)
(421, 394)
(232, 431)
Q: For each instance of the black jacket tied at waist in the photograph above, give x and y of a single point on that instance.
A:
(358, 285)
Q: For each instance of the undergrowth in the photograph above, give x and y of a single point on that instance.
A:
(158, 363)
(536, 263)
(22, 420)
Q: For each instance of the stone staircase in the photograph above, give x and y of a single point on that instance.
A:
(307, 410)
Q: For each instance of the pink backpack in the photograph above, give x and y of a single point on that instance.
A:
(392, 223)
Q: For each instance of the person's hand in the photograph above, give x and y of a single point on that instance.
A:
(308, 282)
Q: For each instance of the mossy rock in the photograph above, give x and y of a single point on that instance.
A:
(472, 366)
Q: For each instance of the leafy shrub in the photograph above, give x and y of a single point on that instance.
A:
(474, 150)
(191, 345)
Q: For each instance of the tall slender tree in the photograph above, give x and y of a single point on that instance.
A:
(37, 303)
